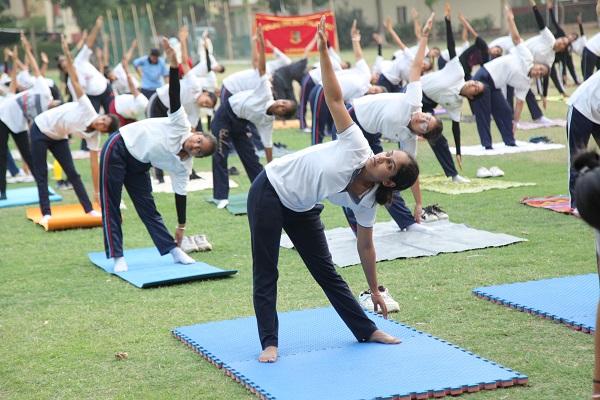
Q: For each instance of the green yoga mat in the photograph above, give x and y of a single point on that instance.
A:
(237, 203)
(443, 184)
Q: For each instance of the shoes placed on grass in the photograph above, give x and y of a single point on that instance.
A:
(483, 172)
(540, 139)
(365, 301)
(427, 215)
(496, 172)
(437, 210)
(460, 179)
(233, 171)
(221, 203)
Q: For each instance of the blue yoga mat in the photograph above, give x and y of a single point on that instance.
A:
(147, 268)
(320, 359)
(571, 300)
(25, 196)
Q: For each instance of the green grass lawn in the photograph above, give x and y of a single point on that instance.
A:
(62, 320)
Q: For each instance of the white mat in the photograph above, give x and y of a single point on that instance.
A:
(391, 243)
(501, 148)
(194, 185)
(529, 125)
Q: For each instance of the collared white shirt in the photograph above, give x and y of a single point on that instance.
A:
(208, 79)
(400, 69)
(380, 65)
(444, 87)
(158, 141)
(91, 80)
(593, 44)
(17, 110)
(390, 113)
(512, 70)
(355, 81)
(586, 99)
(120, 84)
(542, 47)
(252, 105)
(130, 107)
(306, 177)
(244, 80)
(70, 119)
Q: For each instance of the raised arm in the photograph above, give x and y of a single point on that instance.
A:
(538, 16)
(132, 87)
(390, 29)
(355, 35)
(581, 31)
(416, 23)
(559, 31)
(449, 34)
(512, 27)
(131, 49)
(467, 25)
(71, 71)
(29, 56)
(261, 64)
(105, 50)
(44, 60)
(310, 46)
(13, 71)
(417, 65)
(174, 90)
(185, 55)
(100, 58)
(331, 86)
(82, 40)
(91, 38)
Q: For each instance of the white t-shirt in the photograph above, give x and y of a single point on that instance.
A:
(400, 68)
(593, 44)
(444, 87)
(158, 141)
(445, 54)
(512, 70)
(207, 79)
(25, 80)
(586, 99)
(70, 118)
(354, 81)
(281, 60)
(17, 110)
(244, 80)
(130, 107)
(390, 113)
(542, 47)
(380, 65)
(120, 85)
(252, 105)
(578, 45)
(306, 177)
(91, 80)
(190, 88)
(505, 43)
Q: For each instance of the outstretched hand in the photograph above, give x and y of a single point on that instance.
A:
(321, 31)
(377, 38)
(379, 304)
(388, 23)
(169, 52)
(25, 42)
(183, 33)
(447, 10)
(428, 25)
(354, 33)
(509, 13)
(260, 36)
(44, 57)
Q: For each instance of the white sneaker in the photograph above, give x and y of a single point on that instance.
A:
(544, 120)
(13, 179)
(45, 219)
(120, 265)
(122, 205)
(483, 172)
(495, 171)
(94, 213)
(365, 301)
(437, 210)
(202, 243)
(428, 215)
(222, 203)
(307, 130)
(188, 244)
(460, 179)
(180, 257)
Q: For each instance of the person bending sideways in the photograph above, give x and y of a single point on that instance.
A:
(286, 195)
(166, 143)
(51, 130)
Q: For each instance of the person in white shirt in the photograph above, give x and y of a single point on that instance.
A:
(51, 130)
(167, 143)
(255, 108)
(500, 46)
(281, 59)
(17, 111)
(516, 70)
(583, 121)
(287, 196)
(355, 82)
(129, 107)
(118, 76)
(398, 117)
(590, 58)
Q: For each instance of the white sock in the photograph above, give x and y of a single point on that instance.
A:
(419, 228)
(45, 219)
(180, 257)
(94, 213)
(222, 203)
(120, 265)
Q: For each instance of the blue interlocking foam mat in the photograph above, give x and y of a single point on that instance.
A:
(147, 268)
(571, 300)
(24, 196)
(319, 358)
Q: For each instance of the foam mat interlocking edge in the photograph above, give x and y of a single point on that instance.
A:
(518, 379)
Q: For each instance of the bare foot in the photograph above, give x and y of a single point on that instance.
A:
(380, 336)
(268, 355)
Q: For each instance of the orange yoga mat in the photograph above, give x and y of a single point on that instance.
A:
(70, 216)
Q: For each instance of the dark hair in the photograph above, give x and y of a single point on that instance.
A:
(220, 68)
(587, 187)
(213, 143)
(433, 135)
(405, 177)
(114, 123)
(212, 96)
(292, 111)
(154, 52)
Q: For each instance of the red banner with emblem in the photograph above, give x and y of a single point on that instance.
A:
(291, 34)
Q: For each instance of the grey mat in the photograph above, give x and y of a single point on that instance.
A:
(391, 243)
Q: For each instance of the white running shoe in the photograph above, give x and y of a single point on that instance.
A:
(460, 179)
(428, 215)
(483, 172)
(222, 203)
(188, 244)
(202, 243)
(45, 219)
(365, 301)
(180, 257)
(94, 213)
(120, 265)
(122, 205)
(437, 210)
(544, 120)
(307, 130)
(495, 171)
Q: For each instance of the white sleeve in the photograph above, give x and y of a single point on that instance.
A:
(409, 145)
(93, 141)
(40, 86)
(84, 55)
(524, 54)
(181, 177)
(199, 69)
(140, 102)
(548, 37)
(266, 134)
(362, 67)
(179, 121)
(414, 94)
(366, 216)
(263, 90)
